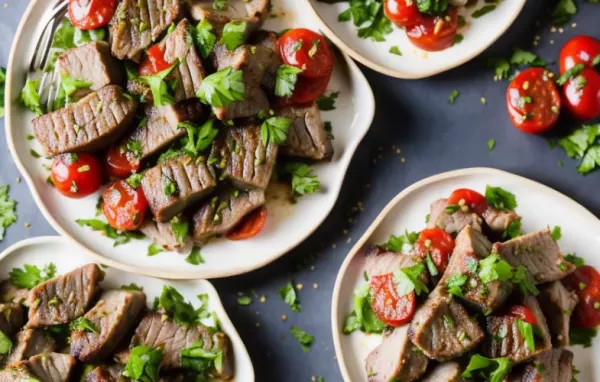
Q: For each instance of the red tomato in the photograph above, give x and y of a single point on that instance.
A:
(91, 14)
(309, 89)
(473, 199)
(306, 50)
(585, 281)
(76, 175)
(153, 62)
(434, 33)
(523, 313)
(578, 50)
(123, 206)
(437, 243)
(119, 164)
(250, 226)
(533, 101)
(390, 308)
(403, 13)
(582, 95)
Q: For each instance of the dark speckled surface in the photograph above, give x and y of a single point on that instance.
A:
(433, 137)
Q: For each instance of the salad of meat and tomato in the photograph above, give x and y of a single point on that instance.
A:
(471, 297)
(185, 111)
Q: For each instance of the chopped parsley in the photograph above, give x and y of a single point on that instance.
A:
(408, 280)
(134, 181)
(494, 268)
(563, 11)
(582, 336)
(454, 284)
(327, 103)
(204, 39)
(8, 207)
(368, 16)
(204, 361)
(432, 7)
(244, 300)
(180, 227)
(305, 339)
(575, 260)
(453, 96)
(490, 369)
(143, 363)
(83, 325)
(362, 317)
(289, 295)
(395, 50)
(303, 181)
(132, 287)
(513, 230)
(31, 275)
(503, 67)
(133, 146)
(431, 267)
(570, 74)
(169, 186)
(221, 88)
(500, 198)
(199, 138)
(491, 144)
(158, 86)
(5, 343)
(274, 130)
(526, 331)
(154, 249)
(70, 85)
(286, 80)
(483, 11)
(176, 307)
(401, 243)
(556, 233)
(584, 144)
(120, 237)
(30, 97)
(195, 258)
(233, 34)
(329, 130)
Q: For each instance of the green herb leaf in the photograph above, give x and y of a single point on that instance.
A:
(500, 198)
(5, 343)
(158, 86)
(204, 39)
(526, 331)
(199, 137)
(458, 38)
(303, 181)
(143, 363)
(362, 318)
(119, 237)
(233, 34)
(501, 67)
(195, 258)
(244, 300)
(491, 369)
(454, 284)
(525, 58)
(82, 37)
(453, 96)
(30, 97)
(401, 243)
(329, 130)
(432, 7)
(83, 325)
(408, 280)
(180, 227)
(305, 339)
(433, 271)
(327, 103)
(369, 17)
(288, 294)
(575, 260)
(71, 85)
(582, 336)
(274, 130)
(132, 287)
(521, 279)
(286, 80)
(31, 275)
(8, 213)
(197, 358)
(395, 50)
(556, 233)
(483, 11)
(169, 186)
(563, 12)
(135, 180)
(570, 74)
(222, 88)
(493, 268)
(154, 249)
(491, 144)
(173, 303)
(513, 230)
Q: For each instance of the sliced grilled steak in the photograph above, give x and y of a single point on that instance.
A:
(381, 262)
(93, 63)
(255, 12)
(63, 298)
(499, 220)
(162, 234)
(555, 365)
(445, 372)
(223, 213)
(11, 318)
(307, 137)
(105, 373)
(505, 340)
(268, 39)
(557, 303)
(243, 158)
(223, 344)
(30, 342)
(451, 223)
(135, 25)
(442, 328)
(113, 315)
(254, 101)
(92, 123)
(11, 293)
(177, 183)
(538, 253)
(52, 367)
(396, 359)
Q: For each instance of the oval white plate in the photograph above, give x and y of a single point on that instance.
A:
(415, 63)
(287, 225)
(67, 256)
(539, 205)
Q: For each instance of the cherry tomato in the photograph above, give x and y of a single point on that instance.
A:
(119, 164)
(472, 199)
(390, 308)
(436, 243)
(523, 313)
(76, 175)
(434, 33)
(579, 50)
(250, 226)
(582, 95)
(585, 281)
(533, 101)
(403, 13)
(153, 62)
(91, 14)
(309, 89)
(123, 206)
(306, 50)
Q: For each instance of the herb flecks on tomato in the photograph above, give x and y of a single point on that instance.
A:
(523, 313)
(153, 62)
(585, 281)
(123, 206)
(76, 175)
(582, 95)
(468, 200)
(119, 164)
(579, 50)
(390, 308)
(436, 243)
(435, 33)
(250, 226)
(91, 14)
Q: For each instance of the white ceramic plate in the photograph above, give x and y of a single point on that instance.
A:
(287, 225)
(67, 256)
(539, 205)
(415, 63)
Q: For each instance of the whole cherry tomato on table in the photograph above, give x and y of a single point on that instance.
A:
(389, 307)
(434, 33)
(250, 226)
(153, 62)
(91, 14)
(436, 243)
(579, 50)
(533, 101)
(472, 199)
(76, 175)
(403, 13)
(523, 313)
(582, 95)
(585, 281)
(306, 50)
(124, 206)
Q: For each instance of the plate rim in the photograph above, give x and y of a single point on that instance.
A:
(415, 187)
(368, 100)
(346, 49)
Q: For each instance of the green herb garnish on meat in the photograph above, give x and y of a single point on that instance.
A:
(143, 363)
(233, 34)
(499, 198)
(327, 103)
(369, 18)
(513, 230)
(5, 343)
(195, 258)
(169, 186)
(526, 331)
(134, 181)
(289, 295)
(491, 369)
(204, 39)
(199, 138)
(401, 243)
(432, 7)
(305, 339)
(454, 284)
(286, 80)
(575, 260)
(83, 325)
(176, 307)
(521, 280)
(30, 97)
(584, 144)
(563, 11)
(70, 85)
(556, 233)
(494, 268)
(158, 86)
(154, 250)
(582, 336)
(197, 358)
(180, 227)
(31, 275)
(274, 130)
(8, 213)
(408, 280)
(362, 317)
(221, 88)
(119, 237)
(303, 181)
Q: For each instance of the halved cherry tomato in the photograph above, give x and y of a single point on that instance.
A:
(533, 101)
(403, 13)
(76, 175)
(119, 164)
(585, 281)
(472, 199)
(390, 308)
(436, 243)
(91, 14)
(582, 95)
(153, 62)
(250, 226)
(309, 89)
(123, 206)
(579, 50)
(523, 313)
(306, 50)
(434, 33)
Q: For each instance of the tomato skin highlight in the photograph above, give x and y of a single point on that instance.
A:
(523, 313)
(585, 281)
(309, 89)
(473, 199)
(436, 243)
(582, 95)
(118, 163)
(578, 50)
(427, 36)
(402, 13)
(76, 175)
(124, 207)
(390, 308)
(91, 14)
(533, 101)
(153, 62)
(250, 226)
(296, 48)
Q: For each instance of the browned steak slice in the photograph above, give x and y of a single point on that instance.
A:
(451, 222)
(396, 359)
(255, 12)
(173, 185)
(93, 63)
(555, 365)
(557, 304)
(442, 328)
(92, 123)
(223, 213)
(137, 23)
(254, 101)
(30, 342)
(445, 372)
(104, 373)
(52, 367)
(505, 339)
(113, 315)
(243, 157)
(11, 293)
(268, 40)
(18, 372)
(11, 318)
(307, 137)
(538, 253)
(63, 298)
(227, 369)
(162, 234)
(499, 220)
(381, 262)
